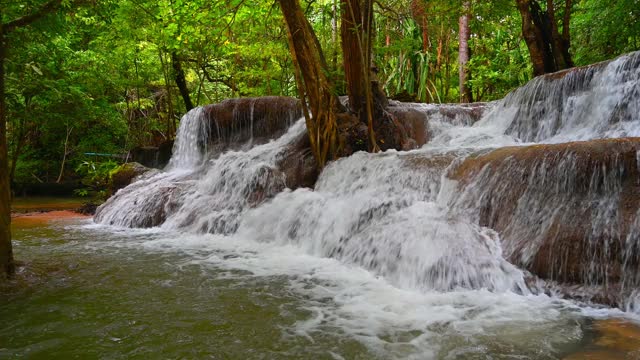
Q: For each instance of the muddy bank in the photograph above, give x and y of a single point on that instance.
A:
(21, 205)
(43, 218)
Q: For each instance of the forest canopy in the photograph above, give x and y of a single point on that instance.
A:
(104, 77)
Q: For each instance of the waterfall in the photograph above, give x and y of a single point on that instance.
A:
(208, 198)
(190, 148)
(543, 183)
(381, 212)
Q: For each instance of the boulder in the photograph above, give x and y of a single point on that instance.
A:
(568, 213)
(126, 174)
(234, 122)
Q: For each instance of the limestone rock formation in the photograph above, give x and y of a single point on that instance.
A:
(568, 213)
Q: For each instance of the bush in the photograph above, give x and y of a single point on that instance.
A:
(96, 176)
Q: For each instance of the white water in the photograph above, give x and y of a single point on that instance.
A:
(190, 147)
(390, 238)
(597, 102)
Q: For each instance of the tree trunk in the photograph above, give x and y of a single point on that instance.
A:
(366, 100)
(315, 89)
(64, 156)
(419, 13)
(20, 142)
(549, 50)
(367, 120)
(181, 81)
(533, 37)
(557, 43)
(354, 55)
(464, 54)
(6, 253)
(566, 33)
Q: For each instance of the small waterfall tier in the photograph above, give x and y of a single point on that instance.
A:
(537, 192)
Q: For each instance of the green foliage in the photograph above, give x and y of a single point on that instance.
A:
(602, 30)
(100, 78)
(96, 176)
(500, 60)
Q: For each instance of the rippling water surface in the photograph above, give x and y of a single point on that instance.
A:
(95, 292)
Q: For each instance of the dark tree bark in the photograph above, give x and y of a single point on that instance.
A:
(319, 103)
(20, 141)
(464, 53)
(356, 32)
(558, 46)
(181, 81)
(549, 49)
(6, 253)
(334, 131)
(566, 33)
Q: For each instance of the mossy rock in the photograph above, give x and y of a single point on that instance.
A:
(125, 175)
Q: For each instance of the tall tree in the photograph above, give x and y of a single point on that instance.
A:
(548, 49)
(319, 102)
(356, 32)
(333, 130)
(464, 53)
(6, 28)
(181, 81)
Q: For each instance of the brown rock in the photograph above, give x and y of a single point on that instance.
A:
(126, 174)
(565, 212)
(237, 121)
(298, 165)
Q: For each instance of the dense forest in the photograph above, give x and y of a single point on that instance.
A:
(109, 76)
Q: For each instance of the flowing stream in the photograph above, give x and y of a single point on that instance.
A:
(97, 292)
(418, 254)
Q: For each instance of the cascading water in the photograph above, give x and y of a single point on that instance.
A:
(455, 214)
(190, 149)
(381, 212)
(201, 195)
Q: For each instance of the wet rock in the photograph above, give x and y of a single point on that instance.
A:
(148, 210)
(126, 174)
(415, 124)
(455, 114)
(568, 212)
(234, 122)
(415, 118)
(269, 182)
(298, 165)
(613, 339)
(164, 153)
(88, 208)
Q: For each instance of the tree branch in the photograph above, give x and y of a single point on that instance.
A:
(47, 8)
(225, 81)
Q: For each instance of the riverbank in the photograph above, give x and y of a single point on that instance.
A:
(40, 204)
(42, 218)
